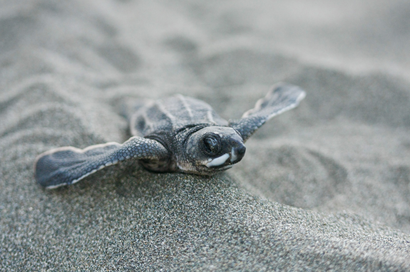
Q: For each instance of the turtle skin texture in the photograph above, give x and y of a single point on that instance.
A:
(173, 134)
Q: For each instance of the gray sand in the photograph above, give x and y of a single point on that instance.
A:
(323, 187)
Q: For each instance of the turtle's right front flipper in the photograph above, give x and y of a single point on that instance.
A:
(68, 165)
(281, 98)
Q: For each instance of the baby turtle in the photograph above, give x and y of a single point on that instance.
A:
(175, 134)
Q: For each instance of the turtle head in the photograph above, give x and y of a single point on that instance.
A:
(213, 149)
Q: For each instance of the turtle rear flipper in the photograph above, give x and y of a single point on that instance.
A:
(68, 165)
(281, 98)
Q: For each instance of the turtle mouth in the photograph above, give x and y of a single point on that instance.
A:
(216, 169)
(217, 162)
(221, 167)
(224, 167)
(226, 160)
(223, 162)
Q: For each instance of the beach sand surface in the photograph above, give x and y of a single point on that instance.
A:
(325, 186)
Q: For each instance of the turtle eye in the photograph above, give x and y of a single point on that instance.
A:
(212, 144)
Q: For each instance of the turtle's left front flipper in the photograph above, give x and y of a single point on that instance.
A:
(68, 165)
(283, 97)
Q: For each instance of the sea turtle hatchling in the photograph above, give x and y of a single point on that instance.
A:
(174, 134)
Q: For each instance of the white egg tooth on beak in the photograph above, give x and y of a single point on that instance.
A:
(218, 161)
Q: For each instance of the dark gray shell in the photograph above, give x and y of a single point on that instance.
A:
(168, 115)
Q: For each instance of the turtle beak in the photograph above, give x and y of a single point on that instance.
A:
(237, 152)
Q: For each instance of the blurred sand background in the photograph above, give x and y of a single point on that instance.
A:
(325, 186)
